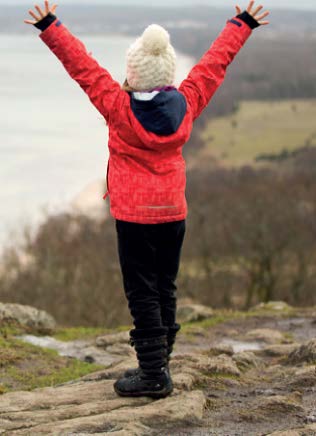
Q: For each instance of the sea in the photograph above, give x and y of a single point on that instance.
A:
(53, 142)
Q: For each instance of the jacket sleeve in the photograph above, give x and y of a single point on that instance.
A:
(206, 76)
(95, 80)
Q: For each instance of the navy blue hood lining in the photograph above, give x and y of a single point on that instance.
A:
(163, 114)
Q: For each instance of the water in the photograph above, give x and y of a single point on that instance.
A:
(239, 346)
(79, 349)
(53, 142)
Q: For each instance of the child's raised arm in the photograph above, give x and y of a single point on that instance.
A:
(206, 77)
(95, 80)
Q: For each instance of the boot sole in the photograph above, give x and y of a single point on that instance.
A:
(157, 394)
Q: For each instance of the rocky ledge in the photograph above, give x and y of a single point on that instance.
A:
(247, 374)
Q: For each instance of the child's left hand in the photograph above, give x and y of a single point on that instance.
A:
(41, 13)
(254, 12)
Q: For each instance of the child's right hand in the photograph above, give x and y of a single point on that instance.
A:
(254, 12)
(41, 14)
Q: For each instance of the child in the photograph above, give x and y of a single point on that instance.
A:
(149, 122)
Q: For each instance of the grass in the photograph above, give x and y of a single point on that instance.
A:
(74, 333)
(25, 366)
(258, 128)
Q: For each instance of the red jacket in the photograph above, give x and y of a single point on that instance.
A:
(146, 174)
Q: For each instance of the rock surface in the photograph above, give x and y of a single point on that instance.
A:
(279, 349)
(93, 407)
(217, 391)
(270, 336)
(276, 306)
(113, 338)
(304, 353)
(33, 319)
(187, 312)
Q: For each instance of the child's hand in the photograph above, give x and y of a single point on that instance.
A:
(41, 13)
(254, 12)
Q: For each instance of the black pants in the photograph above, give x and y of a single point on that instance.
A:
(149, 256)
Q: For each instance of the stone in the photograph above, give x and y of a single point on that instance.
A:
(270, 336)
(193, 312)
(247, 359)
(305, 353)
(120, 349)
(221, 364)
(185, 380)
(303, 378)
(308, 430)
(92, 406)
(31, 318)
(271, 407)
(113, 338)
(278, 350)
(275, 306)
(221, 349)
(282, 404)
(114, 370)
(133, 429)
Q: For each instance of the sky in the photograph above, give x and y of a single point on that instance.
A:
(289, 4)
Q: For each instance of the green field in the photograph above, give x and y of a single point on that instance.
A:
(258, 128)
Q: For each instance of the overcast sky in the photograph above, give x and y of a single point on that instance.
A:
(290, 4)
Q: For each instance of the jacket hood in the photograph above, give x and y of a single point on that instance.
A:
(159, 112)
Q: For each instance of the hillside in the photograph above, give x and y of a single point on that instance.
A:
(258, 129)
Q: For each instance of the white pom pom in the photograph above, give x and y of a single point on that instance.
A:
(155, 39)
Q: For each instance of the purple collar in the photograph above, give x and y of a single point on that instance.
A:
(163, 88)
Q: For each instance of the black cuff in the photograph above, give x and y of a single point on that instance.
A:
(248, 19)
(45, 22)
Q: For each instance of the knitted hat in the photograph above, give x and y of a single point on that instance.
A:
(151, 60)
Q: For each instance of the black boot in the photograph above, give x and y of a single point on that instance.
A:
(153, 379)
(171, 337)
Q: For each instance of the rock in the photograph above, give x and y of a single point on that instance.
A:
(131, 430)
(308, 430)
(221, 364)
(304, 353)
(34, 320)
(193, 312)
(271, 407)
(80, 349)
(275, 306)
(282, 404)
(120, 349)
(221, 349)
(93, 407)
(303, 378)
(114, 371)
(311, 417)
(113, 338)
(278, 350)
(246, 359)
(185, 380)
(265, 335)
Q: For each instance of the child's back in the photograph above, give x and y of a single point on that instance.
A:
(146, 173)
(147, 130)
